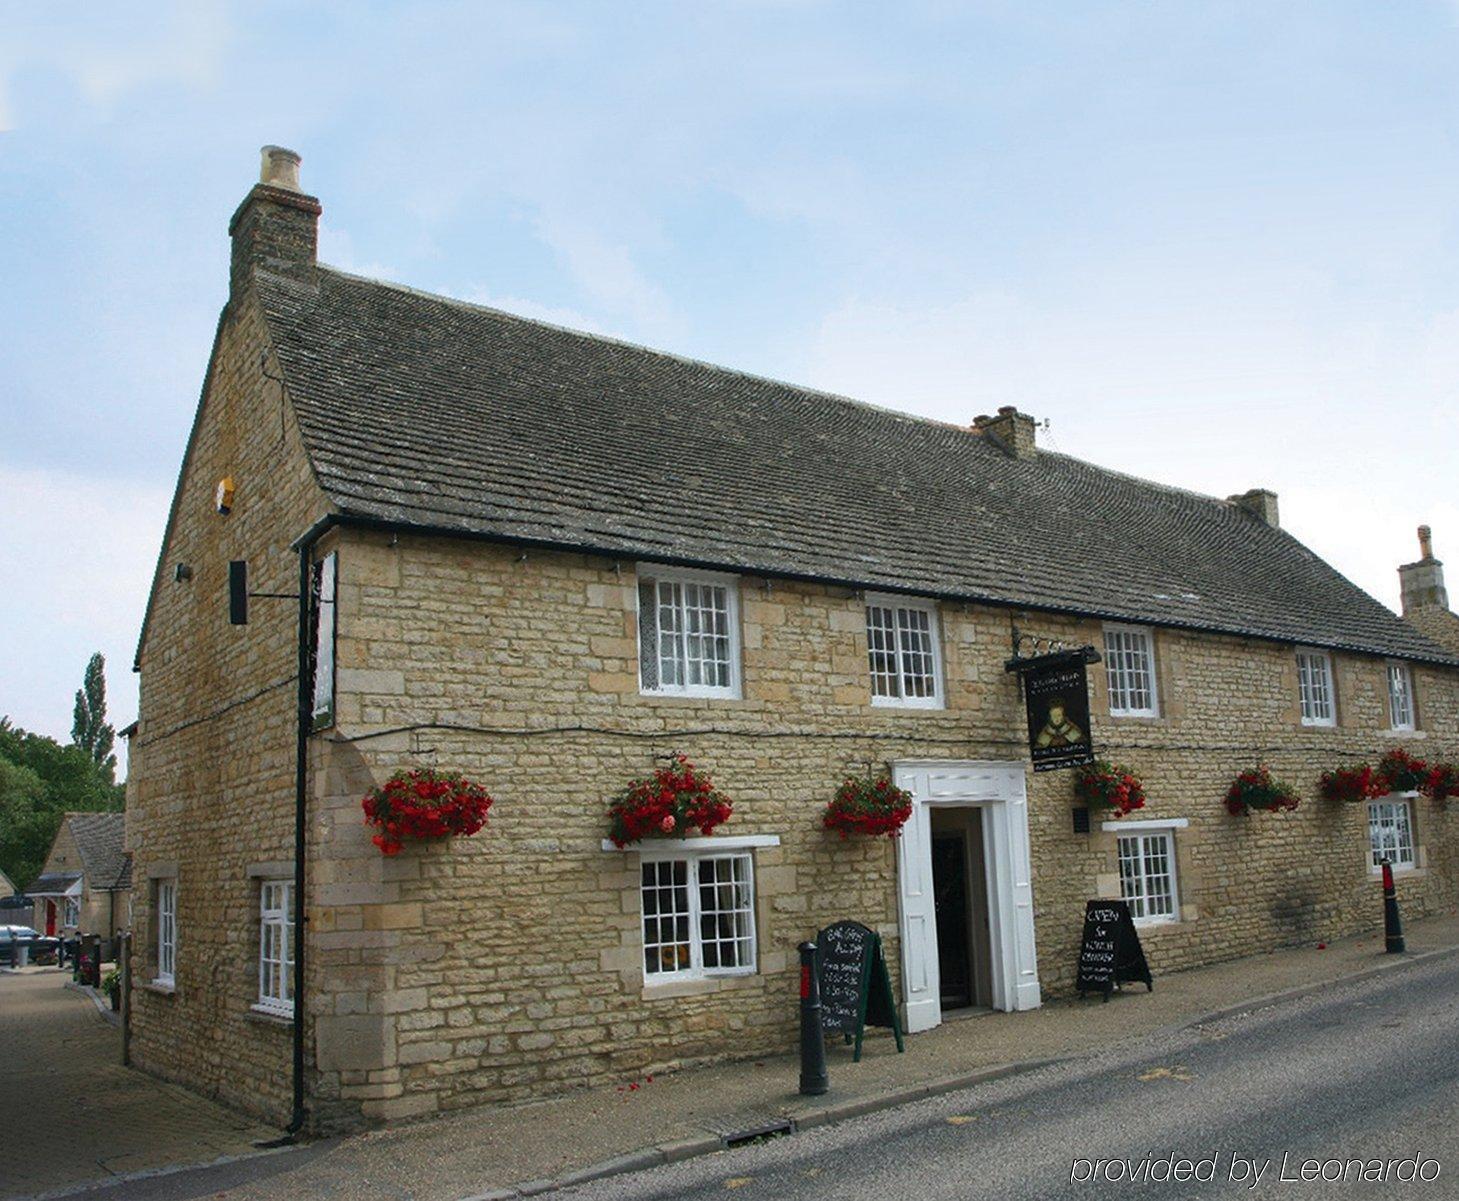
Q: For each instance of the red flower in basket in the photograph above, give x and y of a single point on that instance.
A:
(1104, 785)
(1351, 784)
(1441, 783)
(668, 804)
(1398, 771)
(870, 805)
(424, 804)
(1256, 789)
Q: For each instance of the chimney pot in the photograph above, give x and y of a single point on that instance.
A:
(280, 168)
(1425, 542)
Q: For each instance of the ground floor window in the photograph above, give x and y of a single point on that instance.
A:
(276, 946)
(698, 916)
(1147, 875)
(1390, 832)
(73, 913)
(166, 931)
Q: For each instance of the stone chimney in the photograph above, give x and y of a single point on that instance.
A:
(1422, 583)
(1261, 503)
(276, 228)
(1012, 430)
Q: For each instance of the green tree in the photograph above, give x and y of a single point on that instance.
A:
(39, 781)
(89, 728)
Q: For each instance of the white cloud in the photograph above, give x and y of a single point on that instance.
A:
(337, 248)
(534, 310)
(606, 272)
(78, 555)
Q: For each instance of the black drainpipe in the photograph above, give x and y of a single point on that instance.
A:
(301, 791)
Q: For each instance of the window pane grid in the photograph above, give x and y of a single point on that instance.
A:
(698, 916)
(1400, 697)
(1129, 670)
(901, 652)
(1390, 833)
(275, 946)
(166, 930)
(1314, 680)
(686, 636)
(1147, 882)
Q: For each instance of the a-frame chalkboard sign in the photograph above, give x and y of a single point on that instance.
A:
(856, 988)
(1111, 953)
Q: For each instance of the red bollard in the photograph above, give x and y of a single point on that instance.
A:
(1392, 925)
(813, 1077)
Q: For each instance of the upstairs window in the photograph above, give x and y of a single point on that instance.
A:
(698, 916)
(902, 646)
(1314, 683)
(276, 947)
(1129, 664)
(1400, 696)
(688, 633)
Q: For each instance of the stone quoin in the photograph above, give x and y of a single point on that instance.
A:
(555, 559)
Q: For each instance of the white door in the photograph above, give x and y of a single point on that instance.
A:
(998, 789)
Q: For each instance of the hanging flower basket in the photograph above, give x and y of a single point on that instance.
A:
(871, 805)
(1398, 771)
(1441, 783)
(1105, 785)
(1351, 784)
(1255, 788)
(424, 804)
(671, 803)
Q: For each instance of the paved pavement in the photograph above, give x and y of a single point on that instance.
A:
(73, 1114)
(643, 1122)
(1351, 1092)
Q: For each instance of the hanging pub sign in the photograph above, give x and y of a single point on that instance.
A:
(1056, 695)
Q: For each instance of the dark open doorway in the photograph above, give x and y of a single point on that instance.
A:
(960, 896)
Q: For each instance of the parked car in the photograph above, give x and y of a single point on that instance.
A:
(43, 948)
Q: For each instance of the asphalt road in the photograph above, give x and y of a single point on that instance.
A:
(1366, 1071)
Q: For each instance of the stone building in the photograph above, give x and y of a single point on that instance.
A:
(85, 885)
(547, 560)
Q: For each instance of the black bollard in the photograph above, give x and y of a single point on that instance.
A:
(1392, 924)
(813, 1078)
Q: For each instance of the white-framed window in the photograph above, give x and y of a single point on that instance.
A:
(1129, 667)
(1400, 696)
(1390, 833)
(1314, 685)
(166, 931)
(324, 577)
(698, 916)
(276, 947)
(904, 650)
(1147, 875)
(72, 916)
(688, 633)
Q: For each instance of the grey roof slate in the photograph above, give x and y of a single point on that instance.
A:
(100, 840)
(52, 883)
(433, 413)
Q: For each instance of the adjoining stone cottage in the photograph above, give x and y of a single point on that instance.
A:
(547, 559)
(85, 885)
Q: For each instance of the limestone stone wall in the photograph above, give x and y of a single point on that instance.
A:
(210, 792)
(509, 964)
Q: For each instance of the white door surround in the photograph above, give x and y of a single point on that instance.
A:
(997, 789)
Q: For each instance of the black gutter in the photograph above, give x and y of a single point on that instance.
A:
(387, 526)
(301, 792)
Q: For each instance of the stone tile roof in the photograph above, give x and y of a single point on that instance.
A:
(427, 412)
(100, 840)
(52, 884)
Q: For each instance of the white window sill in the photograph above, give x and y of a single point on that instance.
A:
(693, 694)
(919, 703)
(165, 987)
(695, 986)
(1146, 922)
(1320, 723)
(669, 847)
(270, 1016)
(1148, 823)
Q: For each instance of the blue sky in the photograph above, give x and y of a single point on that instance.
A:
(1214, 244)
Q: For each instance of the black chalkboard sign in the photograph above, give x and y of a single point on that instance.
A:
(856, 988)
(1111, 953)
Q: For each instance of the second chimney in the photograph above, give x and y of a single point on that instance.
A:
(276, 228)
(1422, 583)
(1261, 503)
(1012, 430)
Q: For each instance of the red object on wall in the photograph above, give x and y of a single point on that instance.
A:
(50, 919)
